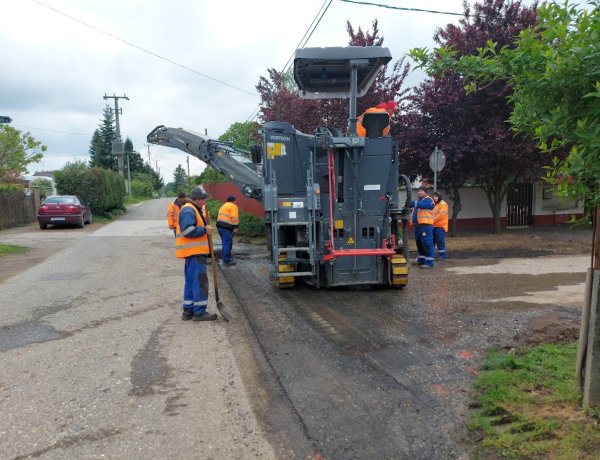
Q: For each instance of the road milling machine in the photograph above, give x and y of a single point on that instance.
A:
(331, 199)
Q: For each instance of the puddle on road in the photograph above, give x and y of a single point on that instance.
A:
(568, 296)
(575, 264)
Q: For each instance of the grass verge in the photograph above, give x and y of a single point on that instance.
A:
(11, 249)
(528, 407)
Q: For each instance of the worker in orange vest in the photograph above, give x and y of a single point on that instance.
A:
(228, 221)
(423, 222)
(440, 224)
(173, 210)
(376, 120)
(191, 244)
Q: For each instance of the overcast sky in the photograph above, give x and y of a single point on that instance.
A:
(60, 57)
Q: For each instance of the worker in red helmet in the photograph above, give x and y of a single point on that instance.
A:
(375, 121)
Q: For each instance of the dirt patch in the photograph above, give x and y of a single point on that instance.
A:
(13, 264)
(558, 327)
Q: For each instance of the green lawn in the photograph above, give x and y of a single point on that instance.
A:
(528, 407)
(10, 249)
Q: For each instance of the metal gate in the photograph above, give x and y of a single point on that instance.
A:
(519, 205)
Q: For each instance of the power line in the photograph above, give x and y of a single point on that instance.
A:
(144, 50)
(53, 130)
(301, 44)
(401, 8)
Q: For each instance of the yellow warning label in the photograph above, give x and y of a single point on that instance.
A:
(275, 149)
(286, 204)
(339, 224)
(350, 240)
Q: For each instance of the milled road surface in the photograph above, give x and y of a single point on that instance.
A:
(96, 363)
(378, 373)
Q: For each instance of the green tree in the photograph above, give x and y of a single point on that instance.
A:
(210, 176)
(101, 145)
(180, 179)
(17, 151)
(136, 162)
(242, 135)
(44, 185)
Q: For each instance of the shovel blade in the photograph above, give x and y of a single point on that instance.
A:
(224, 312)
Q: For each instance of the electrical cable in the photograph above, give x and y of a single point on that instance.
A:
(53, 130)
(145, 50)
(301, 44)
(381, 5)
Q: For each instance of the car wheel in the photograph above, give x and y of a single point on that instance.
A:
(43, 226)
(81, 224)
(89, 221)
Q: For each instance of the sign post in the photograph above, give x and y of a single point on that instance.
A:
(437, 161)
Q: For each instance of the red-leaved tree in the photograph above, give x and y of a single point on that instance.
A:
(472, 130)
(280, 100)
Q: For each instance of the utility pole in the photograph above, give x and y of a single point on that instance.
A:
(117, 147)
(188, 175)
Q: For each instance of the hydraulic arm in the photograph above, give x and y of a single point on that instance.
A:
(221, 156)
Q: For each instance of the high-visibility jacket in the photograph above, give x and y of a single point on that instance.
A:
(440, 215)
(361, 130)
(173, 214)
(228, 216)
(190, 246)
(423, 214)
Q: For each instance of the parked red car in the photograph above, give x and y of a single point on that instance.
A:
(64, 210)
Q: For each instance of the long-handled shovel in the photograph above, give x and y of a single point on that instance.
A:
(222, 310)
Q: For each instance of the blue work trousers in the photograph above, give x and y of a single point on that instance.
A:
(439, 241)
(424, 239)
(227, 242)
(195, 289)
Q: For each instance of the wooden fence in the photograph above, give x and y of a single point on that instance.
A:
(16, 208)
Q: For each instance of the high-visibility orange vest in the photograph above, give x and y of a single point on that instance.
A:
(186, 247)
(440, 214)
(425, 216)
(228, 216)
(362, 131)
(173, 215)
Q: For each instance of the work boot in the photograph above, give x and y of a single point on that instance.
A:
(416, 261)
(206, 316)
(187, 315)
(231, 262)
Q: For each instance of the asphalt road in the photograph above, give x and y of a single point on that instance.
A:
(96, 363)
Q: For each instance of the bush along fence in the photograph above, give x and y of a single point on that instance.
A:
(18, 208)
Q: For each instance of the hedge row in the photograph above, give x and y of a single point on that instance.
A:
(103, 190)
